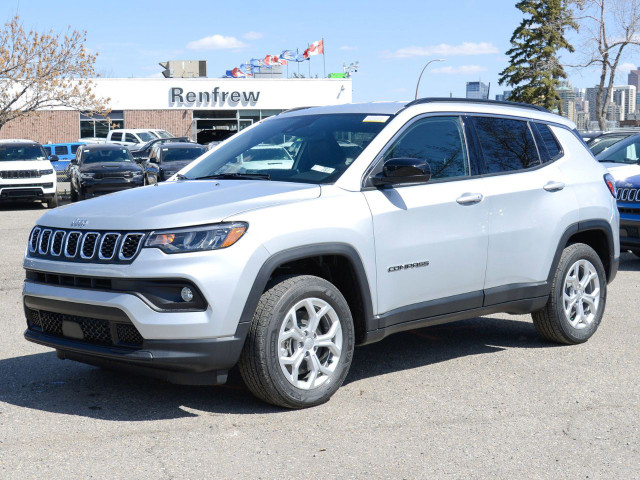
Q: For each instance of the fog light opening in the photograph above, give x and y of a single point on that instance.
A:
(186, 294)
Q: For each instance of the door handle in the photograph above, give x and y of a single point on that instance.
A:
(553, 186)
(469, 198)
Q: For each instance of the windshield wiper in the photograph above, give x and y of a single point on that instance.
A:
(232, 176)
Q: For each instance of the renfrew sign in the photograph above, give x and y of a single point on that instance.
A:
(178, 96)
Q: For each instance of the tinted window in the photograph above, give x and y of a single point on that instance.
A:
(74, 148)
(600, 144)
(61, 150)
(147, 136)
(116, 136)
(549, 142)
(106, 155)
(507, 144)
(48, 150)
(131, 138)
(629, 154)
(437, 140)
(181, 154)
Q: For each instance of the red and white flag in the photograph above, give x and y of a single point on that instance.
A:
(316, 48)
(274, 60)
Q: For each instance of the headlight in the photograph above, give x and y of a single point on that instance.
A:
(46, 172)
(137, 174)
(197, 239)
(87, 175)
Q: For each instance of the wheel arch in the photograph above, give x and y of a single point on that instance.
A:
(596, 233)
(338, 263)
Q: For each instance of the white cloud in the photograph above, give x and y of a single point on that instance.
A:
(445, 50)
(347, 47)
(400, 90)
(253, 35)
(156, 75)
(626, 67)
(215, 42)
(460, 70)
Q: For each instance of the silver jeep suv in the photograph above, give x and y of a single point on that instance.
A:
(325, 228)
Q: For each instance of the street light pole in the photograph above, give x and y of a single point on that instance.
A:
(423, 69)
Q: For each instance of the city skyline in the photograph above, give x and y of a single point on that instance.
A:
(391, 48)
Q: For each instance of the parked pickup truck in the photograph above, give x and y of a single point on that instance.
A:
(129, 136)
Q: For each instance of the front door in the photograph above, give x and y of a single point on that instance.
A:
(430, 239)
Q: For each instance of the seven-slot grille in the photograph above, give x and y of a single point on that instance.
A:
(79, 246)
(629, 194)
(19, 174)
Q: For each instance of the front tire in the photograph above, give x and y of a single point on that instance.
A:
(53, 203)
(577, 300)
(300, 343)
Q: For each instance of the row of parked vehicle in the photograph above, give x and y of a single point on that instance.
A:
(127, 158)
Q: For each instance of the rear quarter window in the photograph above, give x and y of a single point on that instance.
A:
(548, 145)
(61, 150)
(507, 145)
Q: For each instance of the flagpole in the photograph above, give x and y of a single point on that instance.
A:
(297, 55)
(324, 63)
(309, 58)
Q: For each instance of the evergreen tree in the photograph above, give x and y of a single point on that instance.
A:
(534, 71)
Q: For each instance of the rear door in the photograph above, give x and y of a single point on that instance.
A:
(430, 239)
(530, 206)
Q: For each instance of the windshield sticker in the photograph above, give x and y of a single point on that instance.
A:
(376, 118)
(320, 168)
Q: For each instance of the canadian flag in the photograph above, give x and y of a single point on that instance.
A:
(316, 48)
(274, 60)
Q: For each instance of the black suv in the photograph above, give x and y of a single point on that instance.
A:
(103, 168)
(168, 158)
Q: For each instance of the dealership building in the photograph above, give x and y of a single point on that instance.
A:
(204, 109)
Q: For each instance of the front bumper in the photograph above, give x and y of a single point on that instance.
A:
(92, 188)
(192, 361)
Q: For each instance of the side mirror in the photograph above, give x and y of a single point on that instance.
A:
(53, 158)
(402, 170)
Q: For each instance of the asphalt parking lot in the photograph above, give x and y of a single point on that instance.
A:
(483, 398)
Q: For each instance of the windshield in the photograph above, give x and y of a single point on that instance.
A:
(600, 144)
(627, 154)
(305, 148)
(181, 154)
(162, 134)
(147, 136)
(9, 153)
(106, 155)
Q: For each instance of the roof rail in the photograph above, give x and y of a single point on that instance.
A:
(473, 100)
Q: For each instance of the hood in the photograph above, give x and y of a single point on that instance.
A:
(110, 167)
(26, 165)
(622, 173)
(178, 204)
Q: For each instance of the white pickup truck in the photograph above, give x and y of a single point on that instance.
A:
(130, 136)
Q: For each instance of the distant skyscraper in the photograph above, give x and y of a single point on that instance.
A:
(624, 97)
(634, 79)
(503, 96)
(477, 90)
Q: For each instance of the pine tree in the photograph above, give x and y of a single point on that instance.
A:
(534, 70)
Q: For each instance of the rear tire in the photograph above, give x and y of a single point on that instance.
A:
(292, 357)
(577, 300)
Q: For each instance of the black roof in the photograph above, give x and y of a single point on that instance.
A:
(102, 146)
(182, 145)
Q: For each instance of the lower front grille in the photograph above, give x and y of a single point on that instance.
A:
(94, 330)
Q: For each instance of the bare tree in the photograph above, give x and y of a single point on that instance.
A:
(611, 28)
(45, 70)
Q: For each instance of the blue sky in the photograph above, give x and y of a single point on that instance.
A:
(391, 39)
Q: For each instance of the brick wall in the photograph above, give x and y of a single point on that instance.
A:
(56, 126)
(176, 122)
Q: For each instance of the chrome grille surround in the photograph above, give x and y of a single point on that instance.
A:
(33, 240)
(85, 246)
(73, 241)
(43, 244)
(57, 243)
(125, 252)
(629, 194)
(103, 250)
(89, 240)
